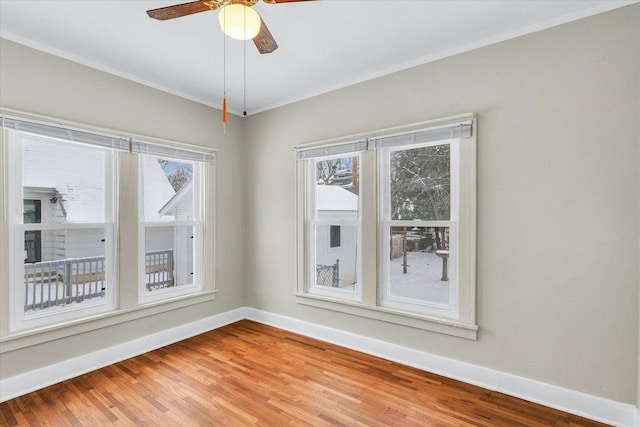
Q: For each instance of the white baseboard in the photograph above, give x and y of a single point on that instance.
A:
(571, 401)
(52, 374)
(588, 406)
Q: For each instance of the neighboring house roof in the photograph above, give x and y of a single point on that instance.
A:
(157, 189)
(181, 202)
(335, 198)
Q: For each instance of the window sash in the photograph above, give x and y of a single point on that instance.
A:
(312, 286)
(448, 310)
(197, 281)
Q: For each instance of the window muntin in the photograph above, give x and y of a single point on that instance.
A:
(333, 226)
(63, 258)
(171, 233)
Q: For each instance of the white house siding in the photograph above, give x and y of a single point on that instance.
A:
(76, 173)
(346, 253)
(334, 203)
(84, 243)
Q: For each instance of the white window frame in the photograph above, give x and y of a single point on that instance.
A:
(458, 317)
(450, 309)
(312, 222)
(197, 285)
(19, 320)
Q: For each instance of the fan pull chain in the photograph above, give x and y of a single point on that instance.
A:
(244, 84)
(224, 78)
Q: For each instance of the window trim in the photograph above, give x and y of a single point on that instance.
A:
(465, 325)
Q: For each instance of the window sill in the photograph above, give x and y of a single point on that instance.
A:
(27, 338)
(428, 323)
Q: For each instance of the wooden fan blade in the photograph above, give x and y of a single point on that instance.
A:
(282, 1)
(264, 41)
(178, 10)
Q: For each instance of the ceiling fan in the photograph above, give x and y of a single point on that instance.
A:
(236, 18)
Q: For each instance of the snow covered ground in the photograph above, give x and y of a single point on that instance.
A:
(422, 280)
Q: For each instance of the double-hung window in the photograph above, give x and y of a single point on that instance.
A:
(77, 252)
(418, 262)
(171, 235)
(62, 189)
(333, 220)
(419, 242)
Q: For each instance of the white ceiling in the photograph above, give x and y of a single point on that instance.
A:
(324, 44)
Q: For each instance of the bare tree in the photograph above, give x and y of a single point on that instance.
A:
(325, 169)
(179, 176)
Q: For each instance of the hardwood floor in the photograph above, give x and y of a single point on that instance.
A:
(251, 374)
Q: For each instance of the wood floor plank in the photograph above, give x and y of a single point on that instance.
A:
(248, 374)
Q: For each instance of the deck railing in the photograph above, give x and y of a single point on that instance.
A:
(159, 269)
(62, 282)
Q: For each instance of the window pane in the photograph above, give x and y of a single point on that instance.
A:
(420, 183)
(336, 266)
(169, 259)
(62, 182)
(168, 190)
(333, 174)
(418, 266)
(63, 267)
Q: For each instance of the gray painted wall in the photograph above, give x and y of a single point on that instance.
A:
(558, 198)
(558, 195)
(40, 83)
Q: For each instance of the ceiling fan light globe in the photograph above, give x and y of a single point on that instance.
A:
(239, 21)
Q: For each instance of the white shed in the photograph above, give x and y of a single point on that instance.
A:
(336, 244)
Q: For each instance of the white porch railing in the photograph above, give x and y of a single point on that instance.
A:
(62, 282)
(159, 269)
